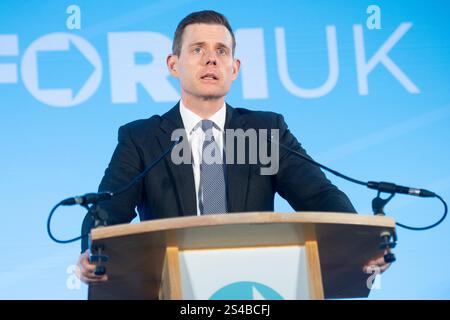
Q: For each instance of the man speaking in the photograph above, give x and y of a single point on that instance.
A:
(203, 60)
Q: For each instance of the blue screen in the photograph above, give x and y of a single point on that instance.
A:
(363, 85)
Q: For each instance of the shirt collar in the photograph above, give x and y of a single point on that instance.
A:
(191, 119)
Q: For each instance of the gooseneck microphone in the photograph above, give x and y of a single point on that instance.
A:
(95, 197)
(88, 198)
(386, 187)
(393, 188)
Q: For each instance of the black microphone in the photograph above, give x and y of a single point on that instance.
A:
(393, 188)
(88, 198)
(93, 198)
(387, 187)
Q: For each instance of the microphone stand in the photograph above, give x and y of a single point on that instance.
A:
(386, 243)
(96, 255)
(98, 215)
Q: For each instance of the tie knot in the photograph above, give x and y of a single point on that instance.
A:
(207, 125)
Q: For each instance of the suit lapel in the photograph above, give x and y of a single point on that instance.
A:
(182, 175)
(237, 174)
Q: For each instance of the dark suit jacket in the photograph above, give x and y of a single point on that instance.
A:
(169, 190)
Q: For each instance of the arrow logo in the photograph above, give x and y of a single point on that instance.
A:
(53, 45)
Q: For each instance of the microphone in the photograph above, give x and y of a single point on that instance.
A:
(387, 187)
(88, 198)
(393, 188)
(94, 197)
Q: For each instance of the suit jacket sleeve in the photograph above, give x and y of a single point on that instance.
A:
(125, 164)
(303, 184)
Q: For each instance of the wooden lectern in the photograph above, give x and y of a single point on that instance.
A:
(310, 255)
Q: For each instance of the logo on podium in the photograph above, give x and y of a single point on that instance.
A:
(246, 290)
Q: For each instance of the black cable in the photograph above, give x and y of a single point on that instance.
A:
(365, 184)
(430, 226)
(343, 176)
(154, 163)
(104, 195)
(143, 173)
(50, 232)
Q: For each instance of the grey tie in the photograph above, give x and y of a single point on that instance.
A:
(212, 177)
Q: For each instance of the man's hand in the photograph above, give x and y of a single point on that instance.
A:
(85, 270)
(377, 262)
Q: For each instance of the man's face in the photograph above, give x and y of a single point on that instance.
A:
(206, 67)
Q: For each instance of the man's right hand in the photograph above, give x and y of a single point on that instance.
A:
(85, 270)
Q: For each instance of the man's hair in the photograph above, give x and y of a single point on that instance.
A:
(207, 17)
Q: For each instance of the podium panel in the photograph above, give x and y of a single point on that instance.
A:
(311, 255)
(245, 273)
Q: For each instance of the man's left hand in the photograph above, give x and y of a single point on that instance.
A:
(377, 262)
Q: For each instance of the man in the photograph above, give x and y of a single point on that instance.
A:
(203, 60)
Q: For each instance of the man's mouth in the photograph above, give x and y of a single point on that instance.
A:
(209, 76)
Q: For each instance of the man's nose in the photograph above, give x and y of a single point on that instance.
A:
(211, 58)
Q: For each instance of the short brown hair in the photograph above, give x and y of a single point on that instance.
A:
(205, 16)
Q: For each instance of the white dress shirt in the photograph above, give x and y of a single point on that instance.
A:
(196, 137)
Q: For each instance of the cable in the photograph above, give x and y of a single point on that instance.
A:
(93, 198)
(343, 176)
(50, 232)
(154, 163)
(367, 184)
(430, 226)
(143, 173)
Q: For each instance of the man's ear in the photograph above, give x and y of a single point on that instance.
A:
(172, 62)
(236, 67)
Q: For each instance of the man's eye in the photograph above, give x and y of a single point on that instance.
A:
(197, 50)
(222, 51)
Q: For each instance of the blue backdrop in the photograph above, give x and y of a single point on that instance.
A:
(369, 97)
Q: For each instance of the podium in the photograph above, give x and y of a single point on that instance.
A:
(308, 255)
